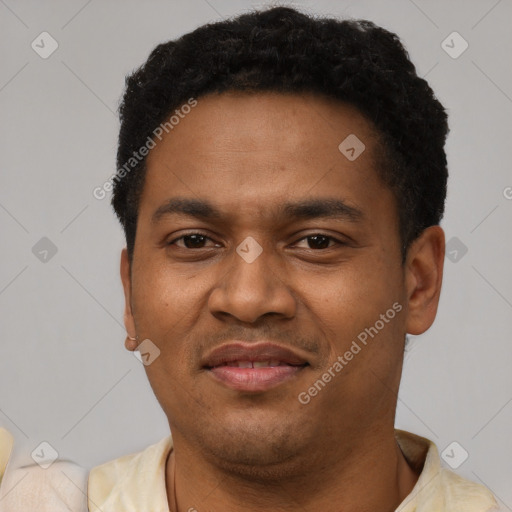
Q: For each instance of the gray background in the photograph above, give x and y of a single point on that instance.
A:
(65, 376)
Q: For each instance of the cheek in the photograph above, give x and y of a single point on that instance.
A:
(165, 306)
(165, 311)
(353, 298)
(169, 309)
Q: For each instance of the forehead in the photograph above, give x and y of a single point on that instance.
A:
(250, 150)
(266, 121)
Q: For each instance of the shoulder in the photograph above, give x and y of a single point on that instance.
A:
(439, 488)
(6, 444)
(122, 467)
(130, 481)
(464, 495)
(59, 488)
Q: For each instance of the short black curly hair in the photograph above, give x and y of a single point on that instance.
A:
(283, 50)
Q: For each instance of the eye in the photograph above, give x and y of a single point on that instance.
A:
(320, 241)
(193, 240)
(197, 240)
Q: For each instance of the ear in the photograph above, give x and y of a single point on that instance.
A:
(424, 276)
(129, 322)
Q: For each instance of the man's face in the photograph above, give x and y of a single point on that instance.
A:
(320, 280)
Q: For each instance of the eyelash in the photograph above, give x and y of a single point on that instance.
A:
(331, 238)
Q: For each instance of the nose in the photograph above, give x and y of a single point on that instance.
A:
(247, 289)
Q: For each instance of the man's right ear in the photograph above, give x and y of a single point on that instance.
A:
(129, 322)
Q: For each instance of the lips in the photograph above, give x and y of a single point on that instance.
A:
(241, 354)
(255, 364)
(253, 367)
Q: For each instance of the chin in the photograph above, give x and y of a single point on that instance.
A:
(255, 449)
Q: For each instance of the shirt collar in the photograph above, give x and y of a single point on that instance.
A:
(6, 444)
(131, 483)
(137, 482)
(438, 488)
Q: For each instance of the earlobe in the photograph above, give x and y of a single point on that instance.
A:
(130, 343)
(424, 276)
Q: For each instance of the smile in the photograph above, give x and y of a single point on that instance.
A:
(253, 367)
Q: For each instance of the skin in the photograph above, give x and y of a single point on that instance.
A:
(248, 154)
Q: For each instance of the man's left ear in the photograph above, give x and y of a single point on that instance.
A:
(424, 276)
(129, 323)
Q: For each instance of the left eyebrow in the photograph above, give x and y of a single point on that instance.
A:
(200, 209)
(328, 208)
(322, 208)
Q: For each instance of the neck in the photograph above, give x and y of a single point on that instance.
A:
(370, 476)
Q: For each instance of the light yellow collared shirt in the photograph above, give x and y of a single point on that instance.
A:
(6, 444)
(61, 487)
(136, 483)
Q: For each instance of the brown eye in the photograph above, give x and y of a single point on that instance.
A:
(194, 241)
(191, 241)
(319, 241)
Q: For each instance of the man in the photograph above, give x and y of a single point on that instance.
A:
(280, 181)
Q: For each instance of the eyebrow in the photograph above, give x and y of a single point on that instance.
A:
(327, 208)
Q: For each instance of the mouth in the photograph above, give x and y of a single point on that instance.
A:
(253, 367)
